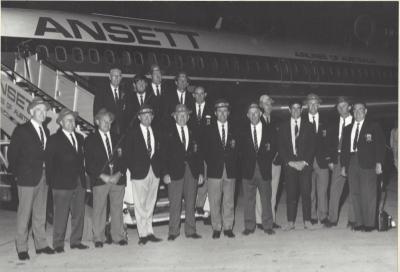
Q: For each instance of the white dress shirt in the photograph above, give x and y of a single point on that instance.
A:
(225, 128)
(103, 137)
(316, 118)
(353, 133)
(115, 91)
(144, 132)
(347, 121)
(68, 135)
(201, 108)
(179, 96)
(258, 132)
(186, 131)
(267, 119)
(36, 125)
(292, 126)
(143, 95)
(154, 86)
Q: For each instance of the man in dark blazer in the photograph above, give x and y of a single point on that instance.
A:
(335, 140)
(143, 157)
(180, 95)
(221, 157)
(257, 150)
(362, 156)
(65, 173)
(320, 173)
(116, 100)
(296, 146)
(201, 118)
(158, 88)
(106, 169)
(271, 121)
(184, 168)
(27, 163)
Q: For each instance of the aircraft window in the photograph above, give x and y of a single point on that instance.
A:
(42, 51)
(330, 70)
(109, 56)
(235, 64)
(295, 69)
(345, 71)
(138, 58)
(276, 66)
(372, 72)
(164, 60)
(384, 74)
(338, 72)
(94, 56)
(213, 63)
(353, 73)
(255, 67)
(61, 54)
(77, 54)
(359, 73)
(322, 70)
(267, 67)
(224, 64)
(189, 62)
(390, 74)
(178, 61)
(152, 59)
(126, 58)
(199, 62)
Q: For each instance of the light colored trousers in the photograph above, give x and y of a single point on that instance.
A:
(276, 174)
(144, 192)
(319, 192)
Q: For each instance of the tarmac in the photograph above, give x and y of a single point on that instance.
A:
(323, 249)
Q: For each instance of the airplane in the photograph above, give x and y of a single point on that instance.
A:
(229, 65)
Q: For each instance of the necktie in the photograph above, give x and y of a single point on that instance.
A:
(296, 135)
(223, 136)
(148, 142)
(314, 124)
(255, 139)
(341, 136)
(181, 99)
(141, 99)
(199, 113)
(183, 138)
(108, 146)
(356, 138)
(41, 136)
(116, 96)
(73, 141)
(157, 90)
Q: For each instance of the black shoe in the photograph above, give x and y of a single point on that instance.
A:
(59, 249)
(23, 255)
(172, 237)
(207, 221)
(314, 221)
(193, 236)
(269, 231)
(357, 228)
(350, 225)
(368, 229)
(229, 233)
(247, 232)
(98, 244)
(142, 240)
(200, 211)
(325, 221)
(153, 238)
(260, 226)
(330, 224)
(122, 243)
(108, 241)
(275, 226)
(216, 234)
(79, 246)
(45, 250)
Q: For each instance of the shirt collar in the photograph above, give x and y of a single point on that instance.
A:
(103, 134)
(35, 123)
(259, 124)
(201, 105)
(113, 88)
(292, 121)
(67, 132)
(179, 127)
(310, 116)
(220, 123)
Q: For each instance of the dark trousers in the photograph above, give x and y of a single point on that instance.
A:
(363, 192)
(186, 188)
(250, 187)
(64, 203)
(298, 181)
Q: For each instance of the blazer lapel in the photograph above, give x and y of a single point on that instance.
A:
(67, 141)
(33, 131)
(103, 148)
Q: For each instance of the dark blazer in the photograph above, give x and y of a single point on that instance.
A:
(333, 141)
(63, 164)
(25, 154)
(174, 154)
(105, 99)
(274, 124)
(136, 156)
(96, 158)
(216, 156)
(133, 107)
(370, 145)
(264, 156)
(321, 149)
(171, 100)
(207, 116)
(306, 141)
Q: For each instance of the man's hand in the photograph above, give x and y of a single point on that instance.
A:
(167, 179)
(105, 178)
(293, 164)
(330, 165)
(115, 178)
(201, 179)
(378, 168)
(343, 172)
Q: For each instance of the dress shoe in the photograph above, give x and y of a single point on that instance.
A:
(330, 224)
(350, 225)
(314, 221)
(229, 233)
(153, 238)
(193, 236)
(216, 234)
(309, 226)
(247, 232)
(79, 246)
(357, 228)
(199, 210)
(269, 231)
(122, 243)
(59, 249)
(45, 250)
(324, 221)
(275, 226)
(289, 226)
(368, 229)
(142, 240)
(23, 255)
(172, 237)
(260, 226)
(207, 221)
(98, 244)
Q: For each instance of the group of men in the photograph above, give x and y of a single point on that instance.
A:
(196, 150)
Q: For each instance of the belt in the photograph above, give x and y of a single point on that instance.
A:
(353, 153)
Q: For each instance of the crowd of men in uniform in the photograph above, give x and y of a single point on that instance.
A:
(194, 148)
